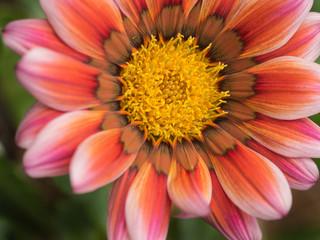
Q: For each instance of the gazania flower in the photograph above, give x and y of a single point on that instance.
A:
(201, 105)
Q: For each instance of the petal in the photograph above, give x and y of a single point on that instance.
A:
(285, 88)
(301, 173)
(295, 138)
(23, 35)
(305, 43)
(252, 182)
(189, 184)
(57, 80)
(84, 25)
(266, 25)
(155, 7)
(219, 8)
(103, 157)
(148, 205)
(169, 15)
(116, 222)
(229, 219)
(35, 119)
(53, 148)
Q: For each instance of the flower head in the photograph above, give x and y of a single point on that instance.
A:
(198, 104)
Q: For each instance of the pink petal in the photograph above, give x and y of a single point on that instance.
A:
(305, 43)
(23, 35)
(57, 80)
(189, 184)
(229, 219)
(103, 157)
(286, 88)
(252, 182)
(301, 173)
(116, 222)
(295, 138)
(265, 25)
(148, 205)
(54, 146)
(35, 119)
(84, 25)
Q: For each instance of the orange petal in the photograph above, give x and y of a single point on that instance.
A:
(35, 119)
(295, 138)
(229, 219)
(305, 43)
(252, 182)
(104, 157)
(286, 88)
(54, 146)
(84, 25)
(23, 35)
(301, 173)
(219, 8)
(148, 205)
(57, 80)
(267, 25)
(116, 222)
(189, 184)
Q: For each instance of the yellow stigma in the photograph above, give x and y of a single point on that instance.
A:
(170, 88)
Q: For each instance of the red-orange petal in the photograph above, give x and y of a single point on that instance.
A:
(116, 221)
(103, 157)
(295, 138)
(84, 25)
(57, 80)
(23, 35)
(54, 146)
(189, 184)
(305, 43)
(148, 205)
(252, 182)
(286, 88)
(229, 219)
(32, 123)
(265, 25)
(301, 173)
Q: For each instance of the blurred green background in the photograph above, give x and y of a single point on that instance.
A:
(46, 209)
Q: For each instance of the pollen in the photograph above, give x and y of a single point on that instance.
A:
(170, 88)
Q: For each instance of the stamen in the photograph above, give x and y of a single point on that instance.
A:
(171, 88)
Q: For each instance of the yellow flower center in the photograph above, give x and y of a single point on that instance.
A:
(170, 88)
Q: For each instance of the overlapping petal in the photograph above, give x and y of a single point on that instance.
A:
(116, 222)
(84, 25)
(283, 88)
(189, 184)
(23, 35)
(35, 119)
(229, 219)
(51, 152)
(103, 157)
(59, 81)
(257, 20)
(301, 173)
(148, 205)
(295, 138)
(305, 43)
(251, 181)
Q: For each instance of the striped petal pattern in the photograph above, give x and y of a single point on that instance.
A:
(51, 152)
(227, 218)
(189, 184)
(148, 205)
(251, 181)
